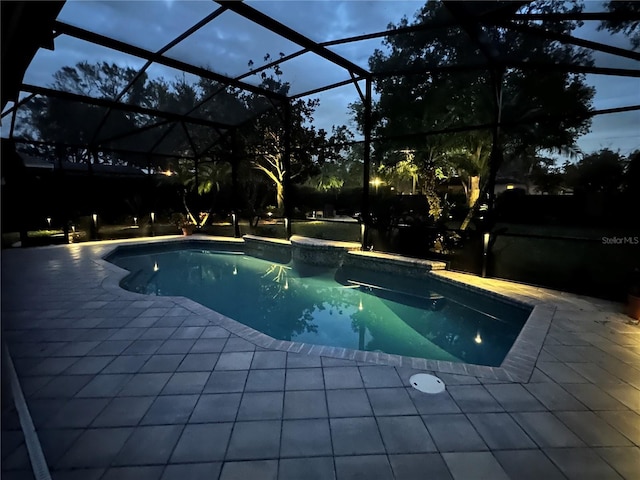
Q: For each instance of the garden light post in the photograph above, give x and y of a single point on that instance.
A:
(486, 238)
(94, 226)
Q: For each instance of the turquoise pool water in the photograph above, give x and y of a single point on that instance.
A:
(346, 307)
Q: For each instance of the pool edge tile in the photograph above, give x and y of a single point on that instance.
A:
(518, 364)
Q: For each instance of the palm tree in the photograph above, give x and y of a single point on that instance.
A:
(201, 179)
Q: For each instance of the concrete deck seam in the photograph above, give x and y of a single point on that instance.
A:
(34, 448)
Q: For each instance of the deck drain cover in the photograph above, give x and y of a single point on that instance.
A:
(427, 383)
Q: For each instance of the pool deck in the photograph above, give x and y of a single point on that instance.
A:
(122, 386)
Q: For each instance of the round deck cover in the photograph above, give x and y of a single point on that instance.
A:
(427, 383)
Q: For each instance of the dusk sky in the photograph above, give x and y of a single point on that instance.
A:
(229, 42)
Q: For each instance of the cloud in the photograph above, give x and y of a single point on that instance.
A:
(228, 42)
(618, 131)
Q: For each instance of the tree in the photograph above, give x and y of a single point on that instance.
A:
(210, 178)
(632, 176)
(626, 22)
(56, 120)
(539, 111)
(202, 167)
(334, 156)
(405, 171)
(264, 137)
(546, 176)
(600, 172)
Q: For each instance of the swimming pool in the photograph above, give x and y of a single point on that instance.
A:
(346, 307)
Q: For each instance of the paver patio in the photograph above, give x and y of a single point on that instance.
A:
(121, 386)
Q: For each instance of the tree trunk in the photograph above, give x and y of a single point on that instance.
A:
(474, 207)
(187, 209)
(474, 190)
(465, 187)
(280, 195)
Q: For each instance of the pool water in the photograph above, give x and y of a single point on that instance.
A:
(346, 307)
